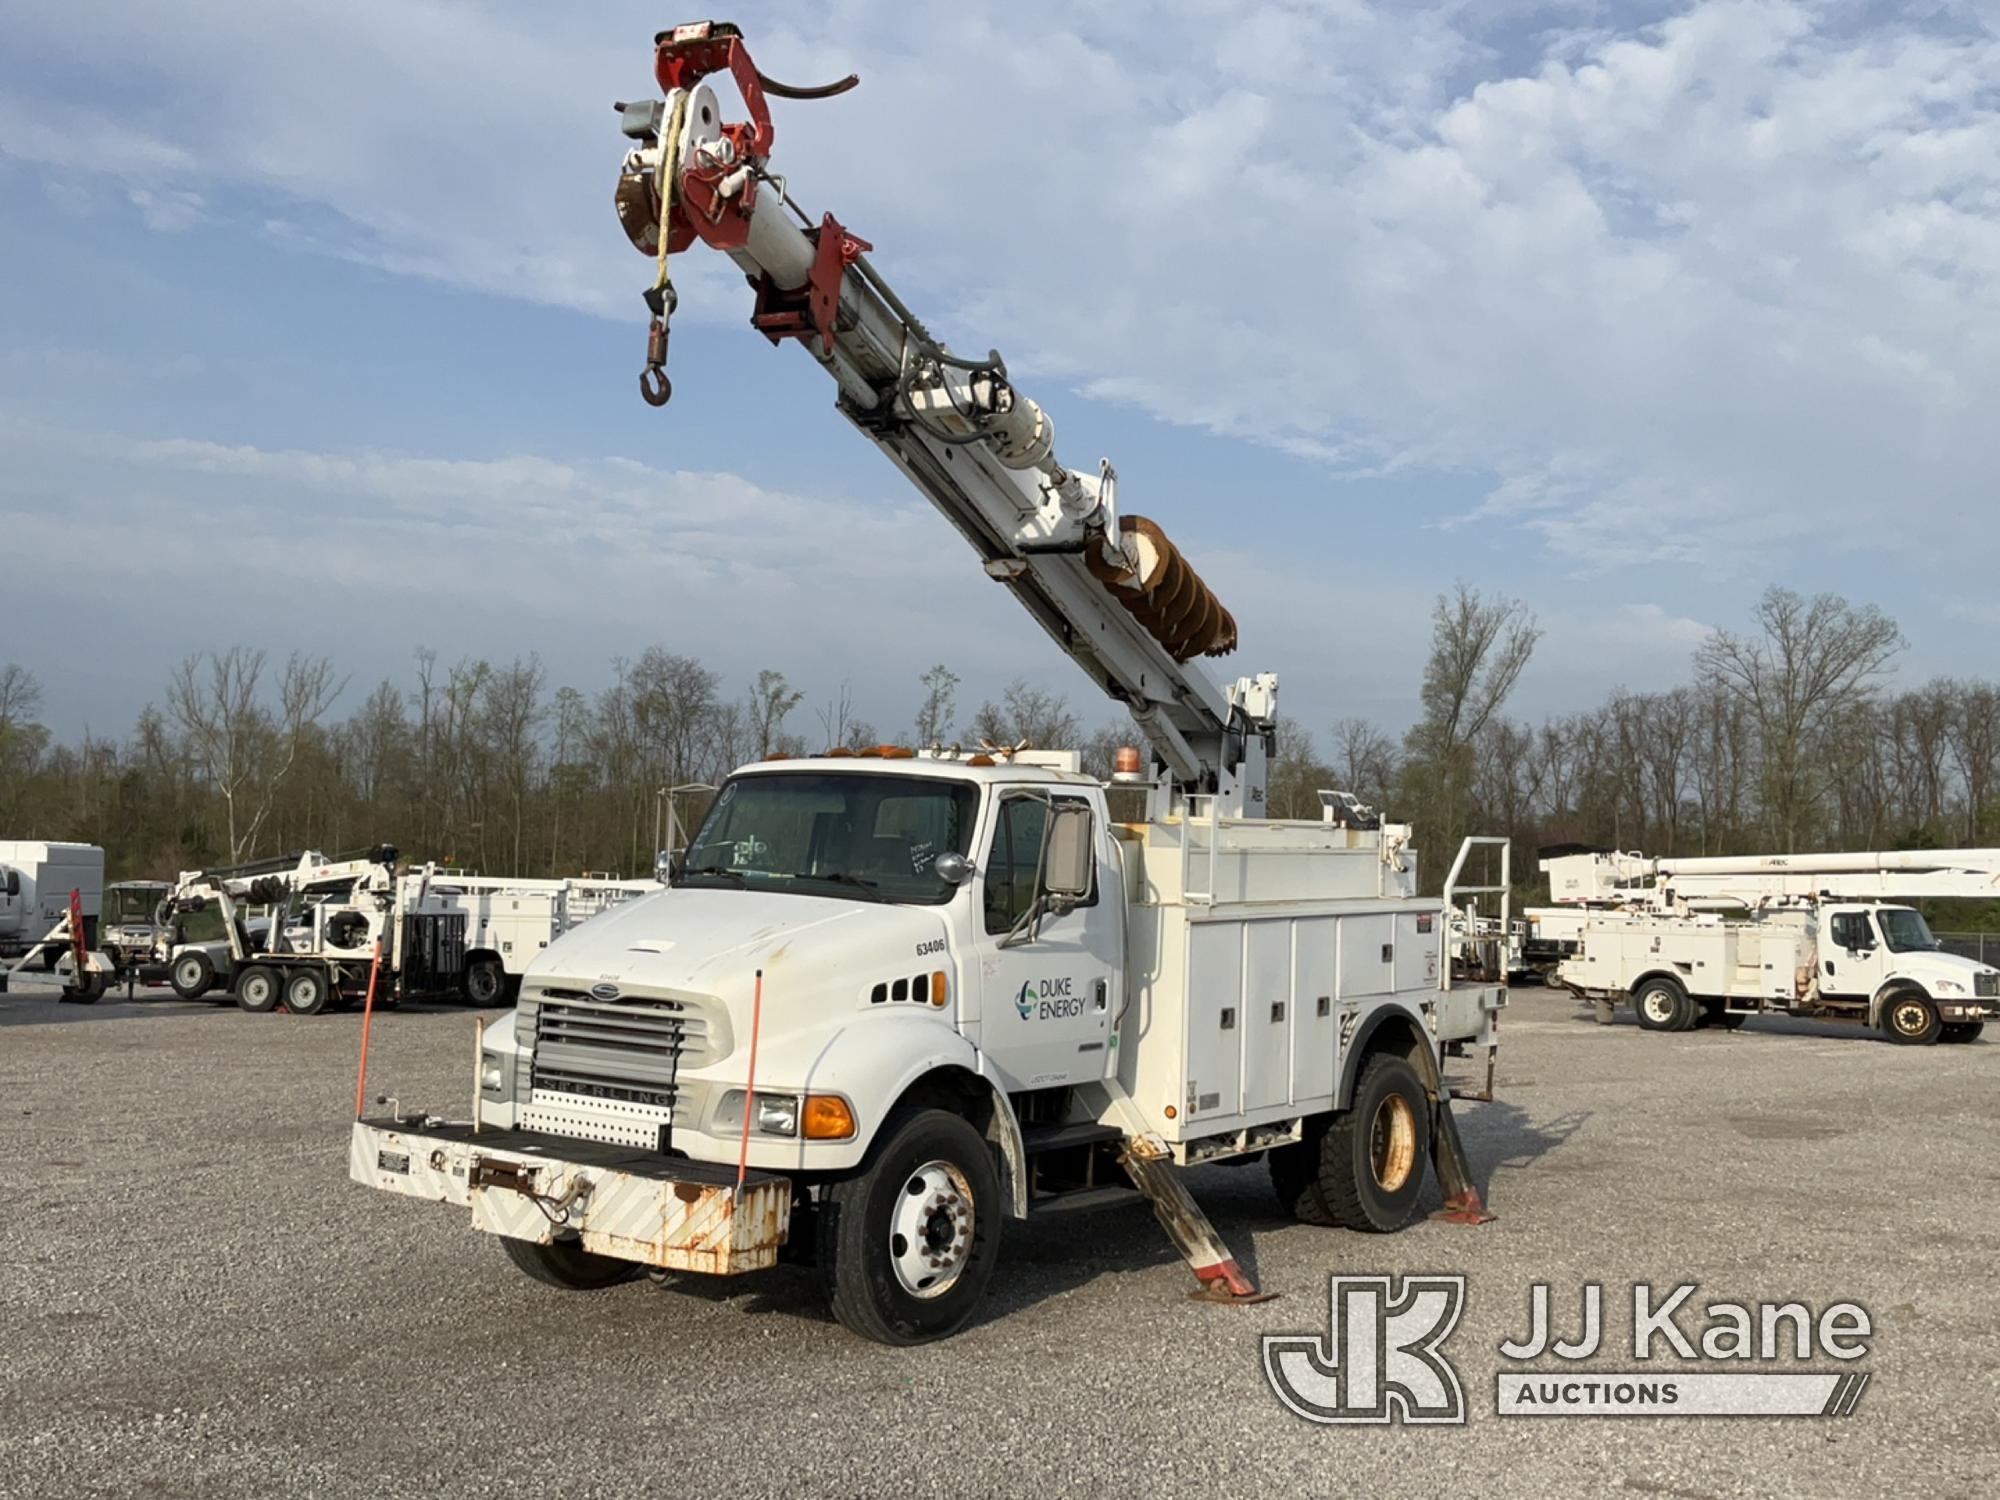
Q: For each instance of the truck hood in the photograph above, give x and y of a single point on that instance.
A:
(714, 941)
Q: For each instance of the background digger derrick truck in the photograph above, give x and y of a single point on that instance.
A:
(1717, 939)
(896, 998)
(318, 946)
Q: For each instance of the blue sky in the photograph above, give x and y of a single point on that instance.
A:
(317, 332)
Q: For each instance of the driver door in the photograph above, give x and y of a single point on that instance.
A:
(1046, 1002)
(1853, 958)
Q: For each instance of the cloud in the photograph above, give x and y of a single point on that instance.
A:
(1707, 280)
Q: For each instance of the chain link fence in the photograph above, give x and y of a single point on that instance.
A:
(1984, 946)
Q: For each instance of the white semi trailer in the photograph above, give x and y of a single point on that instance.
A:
(509, 921)
(1717, 939)
(897, 999)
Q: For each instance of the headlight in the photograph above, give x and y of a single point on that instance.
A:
(492, 1076)
(1949, 987)
(778, 1115)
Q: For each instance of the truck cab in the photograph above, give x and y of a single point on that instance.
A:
(875, 921)
(1886, 955)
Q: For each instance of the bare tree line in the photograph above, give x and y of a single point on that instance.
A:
(1783, 738)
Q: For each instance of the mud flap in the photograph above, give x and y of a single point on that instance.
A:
(1151, 1168)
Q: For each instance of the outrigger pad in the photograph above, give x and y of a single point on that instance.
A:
(1222, 1278)
(1463, 1203)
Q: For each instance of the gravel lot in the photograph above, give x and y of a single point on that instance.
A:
(193, 1299)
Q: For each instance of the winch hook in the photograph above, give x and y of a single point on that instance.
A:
(653, 383)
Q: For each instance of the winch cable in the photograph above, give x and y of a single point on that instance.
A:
(653, 383)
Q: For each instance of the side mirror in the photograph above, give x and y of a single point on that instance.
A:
(1068, 862)
(953, 868)
(665, 867)
(13, 882)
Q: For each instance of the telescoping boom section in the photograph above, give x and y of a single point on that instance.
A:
(1112, 590)
(1609, 878)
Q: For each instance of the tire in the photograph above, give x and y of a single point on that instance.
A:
(484, 982)
(1961, 1032)
(192, 975)
(1372, 1158)
(307, 992)
(1909, 1018)
(88, 992)
(257, 989)
(1295, 1176)
(873, 1228)
(566, 1264)
(1662, 1005)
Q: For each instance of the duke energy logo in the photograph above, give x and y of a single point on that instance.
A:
(1044, 999)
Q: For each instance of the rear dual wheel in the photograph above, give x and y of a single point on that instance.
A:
(1362, 1168)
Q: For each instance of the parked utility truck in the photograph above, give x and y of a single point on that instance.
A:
(896, 999)
(1714, 940)
(36, 878)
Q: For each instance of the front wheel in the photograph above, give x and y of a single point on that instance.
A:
(566, 1264)
(257, 989)
(1911, 1019)
(192, 975)
(1372, 1157)
(907, 1245)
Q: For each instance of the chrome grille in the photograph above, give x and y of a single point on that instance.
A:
(1986, 986)
(624, 1053)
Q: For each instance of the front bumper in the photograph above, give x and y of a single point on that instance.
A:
(1967, 1010)
(632, 1205)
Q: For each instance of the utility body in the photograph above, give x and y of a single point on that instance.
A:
(893, 1000)
(36, 878)
(1718, 938)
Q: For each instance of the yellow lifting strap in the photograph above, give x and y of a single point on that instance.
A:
(664, 185)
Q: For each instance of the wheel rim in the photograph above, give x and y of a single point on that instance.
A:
(189, 974)
(303, 993)
(1392, 1143)
(1909, 1017)
(484, 986)
(1659, 1006)
(930, 1229)
(257, 989)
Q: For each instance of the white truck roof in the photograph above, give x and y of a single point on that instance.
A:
(936, 768)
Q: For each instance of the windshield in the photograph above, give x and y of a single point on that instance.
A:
(1904, 930)
(133, 904)
(855, 835)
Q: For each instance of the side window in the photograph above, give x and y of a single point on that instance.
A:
(1851, 930)
(1015, 858)
(1017, 854)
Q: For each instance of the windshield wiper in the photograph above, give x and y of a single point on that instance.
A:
(723, 871)
(842, 877)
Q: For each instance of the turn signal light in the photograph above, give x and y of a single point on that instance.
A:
(828, 1118)
(938, 992)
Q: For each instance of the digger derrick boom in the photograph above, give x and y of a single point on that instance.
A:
(1111, 590)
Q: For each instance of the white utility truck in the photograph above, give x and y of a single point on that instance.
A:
(896, 998)
(36, 879)
(1716, 939)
